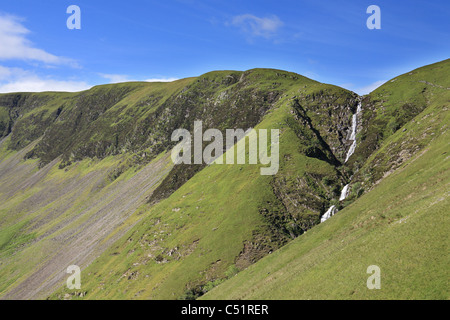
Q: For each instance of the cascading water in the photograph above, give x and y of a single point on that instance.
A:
(331, 211)
(344, 193)
(353, 132)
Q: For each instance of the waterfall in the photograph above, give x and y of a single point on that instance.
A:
(344, 193)
(353, 132)
(331, 211)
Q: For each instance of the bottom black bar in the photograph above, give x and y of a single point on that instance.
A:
(248, 309)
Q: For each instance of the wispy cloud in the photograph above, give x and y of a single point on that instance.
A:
(16, 46)
(254, 26)
(36, 84)
(368, 89)
(311, 75)
(19, 80)
(161, 79)
(363, 90)
(116, 78)
(5, 73)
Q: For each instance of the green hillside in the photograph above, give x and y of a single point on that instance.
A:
(86, 179)
(400, 226)
(76, 170)
(223, 219)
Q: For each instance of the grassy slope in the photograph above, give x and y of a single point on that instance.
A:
(192, 240)
(394, 104)
(45, 211)
(62, 217)
(52, 218)
(392, 108)
(401, 226)
(196, 238)
(92, 123)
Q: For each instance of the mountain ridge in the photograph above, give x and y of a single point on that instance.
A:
(194, 227)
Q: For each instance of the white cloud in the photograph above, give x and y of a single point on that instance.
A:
(363, 90)
(116, 78)
(256, 26)
(19, 80)
(368, 89)
(311, 75)
(161, 80)
(5, 73)
(15, 45)
(347, 85)
(37, 84)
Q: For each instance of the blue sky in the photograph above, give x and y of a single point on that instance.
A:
(164, 40)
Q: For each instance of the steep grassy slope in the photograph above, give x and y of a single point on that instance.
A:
(86, 179)
(223, 219)
(95, 123)
(400, 226)
(52, 218)
(390, 109)
(92, 153)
